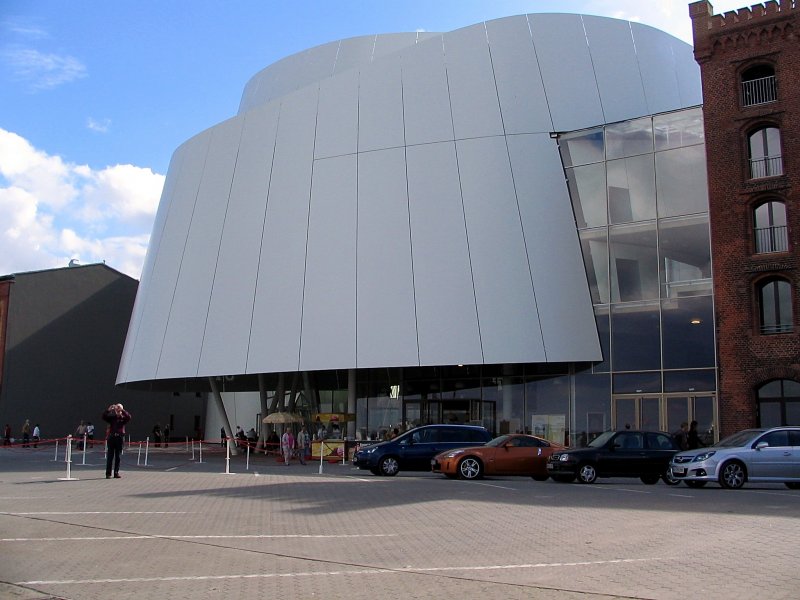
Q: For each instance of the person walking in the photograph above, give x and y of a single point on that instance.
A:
(303, 443)
(693, 437)
(166, 435)
(26, 434)
(80, 431)
(36, 433)
(287, 445)
(7, 435)
(682, 436)
(157, 435)
(116, 416)
(90, 434)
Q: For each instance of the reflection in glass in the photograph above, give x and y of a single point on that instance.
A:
(650, 414)
(587, 189)
(633, 262)
(765, 153)
(678, 129)
(629, 138)
(689, 381)
(775, 300)
(677, 413)
(632, 383)
(594, 245)
(631, 189)
(681, 181)
(685, 256)
(582, 147)
(602, 317)
(769, 414)
(508, 395)
(687, 327)
(635, 342)
(592, 415)
(770, 227)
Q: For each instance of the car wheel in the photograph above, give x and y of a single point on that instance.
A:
(587, 473)
(732, 475)
(470, 468)
(650, 479)
(546, 477)
(792, 485)
(694, 484)
(389, 466)
(668, 478)
(563, 478)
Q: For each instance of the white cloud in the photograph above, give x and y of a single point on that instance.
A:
(43, 71)
(100, 126)
(55, 211)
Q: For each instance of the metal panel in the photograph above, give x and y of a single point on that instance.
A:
(473, 97)
(329, 299)
(426, 102)
(184, 337)
(129, 353)
(231, 308)
(507, 313)
(562, 294)
(160, 288)
(616, 68)
(337, 116)
(657, 65)
(690, 86)
(385, 287)
(516, 70)
(390, 43)
(354, 53)
(567, 71)
(447, 320)
(275, 336)
(380, 106)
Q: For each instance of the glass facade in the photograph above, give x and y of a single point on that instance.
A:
(638, 192)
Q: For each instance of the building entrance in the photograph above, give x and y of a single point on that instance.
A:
(666, 412)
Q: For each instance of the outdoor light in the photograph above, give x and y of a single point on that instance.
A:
(695, 321)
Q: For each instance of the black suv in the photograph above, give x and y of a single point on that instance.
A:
(626, 453)
(414, 449)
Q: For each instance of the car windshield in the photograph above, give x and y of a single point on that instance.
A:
(498, 441)
(601, 439)
(742, 438)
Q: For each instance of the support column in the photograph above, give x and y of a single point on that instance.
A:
(221, 407)
(262, 395)
(351, 402)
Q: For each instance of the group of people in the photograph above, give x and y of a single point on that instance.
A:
(291, 446)
(161, 435)
(28, 435)
(687, 437)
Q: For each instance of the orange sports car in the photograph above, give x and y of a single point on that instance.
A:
(513, 454)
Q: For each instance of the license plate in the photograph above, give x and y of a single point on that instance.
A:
(550, 466)
(678, 471)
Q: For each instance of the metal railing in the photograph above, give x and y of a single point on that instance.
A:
(759, 91)
(767, 166)
(771, 239)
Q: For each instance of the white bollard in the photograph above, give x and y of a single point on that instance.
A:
(187, 443)
(146, 449)
(200, 445)
(192, 449)
(83, 462)
(55, 458)
(228, 458)
(139, 456)
(247, 461)
(68, 460)
(321, 452)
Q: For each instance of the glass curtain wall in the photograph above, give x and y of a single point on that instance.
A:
(639, 194)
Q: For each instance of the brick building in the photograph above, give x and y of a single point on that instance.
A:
(750, 63)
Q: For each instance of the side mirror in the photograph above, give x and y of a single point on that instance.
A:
(762, 445)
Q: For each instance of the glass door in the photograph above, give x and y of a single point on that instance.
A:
(666, 413)
(636, 412)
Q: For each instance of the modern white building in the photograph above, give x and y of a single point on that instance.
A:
(503, 224)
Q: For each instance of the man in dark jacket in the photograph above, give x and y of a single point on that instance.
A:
(116, 417)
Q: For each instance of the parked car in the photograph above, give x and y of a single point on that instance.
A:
(414, 449)
(762, 454)
(626, 453)
(513, 454)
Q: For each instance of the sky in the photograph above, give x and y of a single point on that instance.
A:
(95, 96)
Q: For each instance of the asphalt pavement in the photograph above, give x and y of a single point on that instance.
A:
(176, 527)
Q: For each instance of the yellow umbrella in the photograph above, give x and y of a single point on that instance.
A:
(283, 417)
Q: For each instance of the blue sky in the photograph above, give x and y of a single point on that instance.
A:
(97, 95)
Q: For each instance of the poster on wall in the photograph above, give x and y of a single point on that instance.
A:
(549, 427)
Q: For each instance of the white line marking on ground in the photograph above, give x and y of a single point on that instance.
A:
(196, 537)
(681, 496)
(374, 571)
(500, 487)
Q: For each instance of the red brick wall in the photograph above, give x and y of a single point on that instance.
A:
(724, 46)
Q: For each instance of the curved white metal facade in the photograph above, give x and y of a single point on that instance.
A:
(395, 200)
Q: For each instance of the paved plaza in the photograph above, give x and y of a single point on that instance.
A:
(181, 528)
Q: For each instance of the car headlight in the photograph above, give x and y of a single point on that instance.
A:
(369, 450)
(704, 456)
(564, 457)
(454, 453)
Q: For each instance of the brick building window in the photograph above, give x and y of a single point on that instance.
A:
(764, 147)
(775, 306)
(759, 86)
(769, 221)
(778, 403)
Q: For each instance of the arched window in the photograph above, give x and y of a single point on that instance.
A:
(775, 306)
(778, 403)
(769, 221)
(758, 85)
(765, 153)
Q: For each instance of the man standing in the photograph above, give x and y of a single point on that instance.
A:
(116, 417)
(303, 443)
(26, 433)
(36, 433)
(90, 434)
